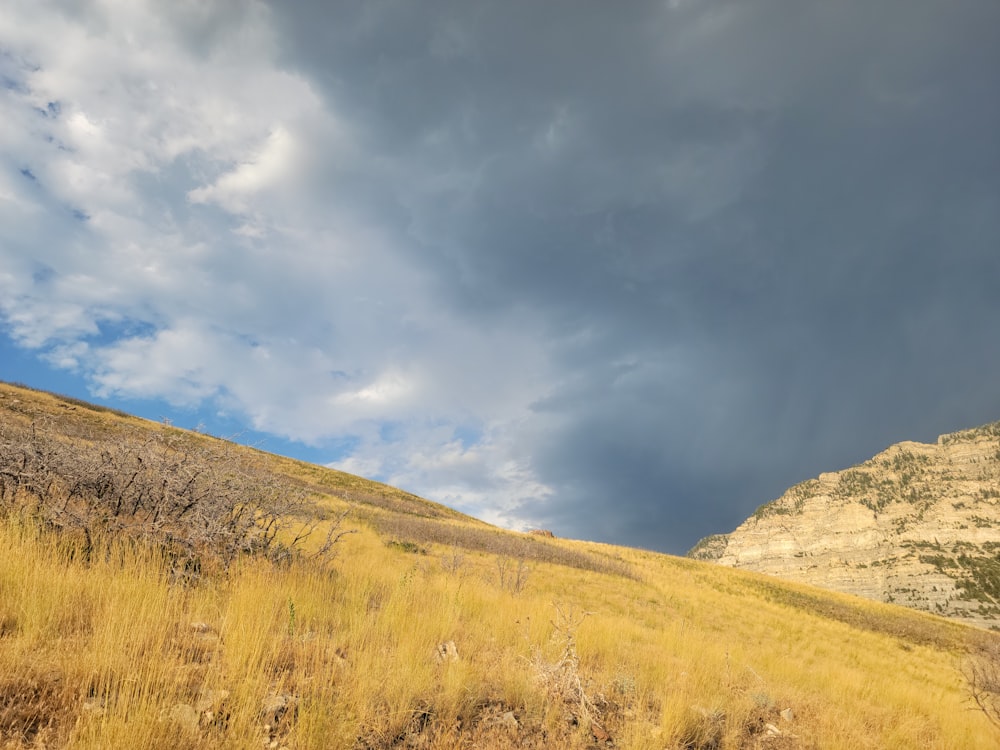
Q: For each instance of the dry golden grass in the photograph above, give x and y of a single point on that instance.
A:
(110, 654)
(643, 651)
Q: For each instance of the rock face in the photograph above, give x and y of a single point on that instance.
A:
(918, 525)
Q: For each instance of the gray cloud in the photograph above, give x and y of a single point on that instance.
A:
(794, 202)
(626, 271)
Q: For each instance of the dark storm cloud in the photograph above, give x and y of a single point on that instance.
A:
(789, 209)
(626, 270)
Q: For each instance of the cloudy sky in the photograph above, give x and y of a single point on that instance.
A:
(624, 270)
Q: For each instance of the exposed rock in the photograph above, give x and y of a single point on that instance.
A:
(446, 652)
(211, 702)
(599, 733)
(93, 707)
(274, 707)
(509, 722)
(787, 714)
(338, 655)
(184, 716)
(542, 532)
(918, 525)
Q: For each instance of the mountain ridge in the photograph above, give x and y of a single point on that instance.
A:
(917, 524)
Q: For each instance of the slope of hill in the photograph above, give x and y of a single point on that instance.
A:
(918, 525)
(422, 629)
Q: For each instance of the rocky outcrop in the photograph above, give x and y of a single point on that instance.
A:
(917, 524)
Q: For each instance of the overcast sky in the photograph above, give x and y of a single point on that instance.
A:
(624, 270)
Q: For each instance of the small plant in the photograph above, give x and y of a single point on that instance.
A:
(291, 618)
(512, 573)
(561, 679)
(453, 562)
(409, 547)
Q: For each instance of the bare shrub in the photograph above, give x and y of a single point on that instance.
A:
(453, 562)
(161, 488)
(495, 541)
(982, 674)
(512, 573)
(395, 501)
(561, 678)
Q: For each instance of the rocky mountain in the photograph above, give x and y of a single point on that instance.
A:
(917, 524)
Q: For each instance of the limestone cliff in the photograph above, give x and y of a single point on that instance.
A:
(917, 524)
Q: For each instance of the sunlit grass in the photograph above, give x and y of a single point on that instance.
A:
(109, 650)
(110, 654)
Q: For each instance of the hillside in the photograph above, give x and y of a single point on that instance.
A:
(124, 623)
(917, 524)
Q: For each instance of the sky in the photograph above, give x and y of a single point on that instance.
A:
(621, 270)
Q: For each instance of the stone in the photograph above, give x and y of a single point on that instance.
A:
(184, 716)
(787, 714)
(599, 733)
(93, 707)
(509, 722)
(446, 652)
(211, 701)
(274, 706)
(772, 731)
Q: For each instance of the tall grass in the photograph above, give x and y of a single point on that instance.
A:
(110, 653)
(413, 636)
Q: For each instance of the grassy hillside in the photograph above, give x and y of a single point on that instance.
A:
(422, 629)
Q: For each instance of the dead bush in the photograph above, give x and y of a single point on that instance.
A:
(494, 541)
(160, 488)
(512, 573)
(561, 679)
(982, 674)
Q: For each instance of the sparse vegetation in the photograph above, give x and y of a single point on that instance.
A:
(986, 431)
(982, 578)
(708, 548)
(791, 503)
(941, 563)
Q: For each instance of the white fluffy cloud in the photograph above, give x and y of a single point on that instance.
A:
(176, 240)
